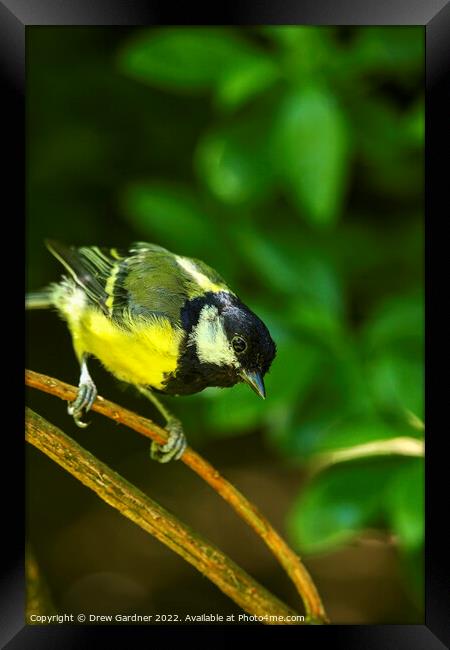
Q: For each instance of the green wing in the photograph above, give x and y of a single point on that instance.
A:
(153, 282)
(146, 280)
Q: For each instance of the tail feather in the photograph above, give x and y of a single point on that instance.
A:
(88, 266)
(39, 299)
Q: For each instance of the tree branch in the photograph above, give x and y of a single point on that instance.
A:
(291, 563)
(151, 517)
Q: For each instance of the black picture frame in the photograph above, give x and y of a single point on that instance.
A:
(434, 16)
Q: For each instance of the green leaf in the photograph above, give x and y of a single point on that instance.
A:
(170, 214)
(397, 384)
(397, 323)
(312, 153)
(234, 164)
(319, 308)
(189, 59)
(415, 124)
(337, 505)
(298, 437)
(393, 161)
(354, 431)
(306, 51)
(406, 504)
(296, 366)
(244, 81)
(398, 50)
(286, 35)
(296, 270)
(406, 517)
(269, 262)
(315, 319)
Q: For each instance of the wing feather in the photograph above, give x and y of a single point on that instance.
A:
(147, 281)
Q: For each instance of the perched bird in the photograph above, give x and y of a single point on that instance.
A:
(159, 321)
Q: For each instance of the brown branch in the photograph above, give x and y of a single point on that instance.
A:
(151, 517)
(247, 511)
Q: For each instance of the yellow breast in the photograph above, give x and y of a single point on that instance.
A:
(145, 354)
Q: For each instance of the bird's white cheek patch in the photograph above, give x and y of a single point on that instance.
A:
(210, 339)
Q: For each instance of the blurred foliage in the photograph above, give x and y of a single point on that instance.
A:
(291, 160)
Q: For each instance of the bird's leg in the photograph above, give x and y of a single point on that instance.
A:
(86, 395)
(174, 448)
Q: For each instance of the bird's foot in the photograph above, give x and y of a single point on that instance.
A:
(87, 392)
(176, 443)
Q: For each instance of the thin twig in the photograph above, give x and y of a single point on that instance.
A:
(291, 563)
(401, 446)
(146, 513)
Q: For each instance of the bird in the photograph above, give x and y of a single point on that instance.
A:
(165, 323)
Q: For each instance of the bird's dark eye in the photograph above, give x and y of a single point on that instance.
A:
(239, 344)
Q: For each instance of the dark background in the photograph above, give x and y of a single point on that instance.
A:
(291, 160)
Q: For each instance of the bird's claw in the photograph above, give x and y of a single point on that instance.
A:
(83, 402)
(175, 446)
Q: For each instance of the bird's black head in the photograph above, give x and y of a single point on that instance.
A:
(227, 343)
(250, 341)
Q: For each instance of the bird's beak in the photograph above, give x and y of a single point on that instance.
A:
(255, 381)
